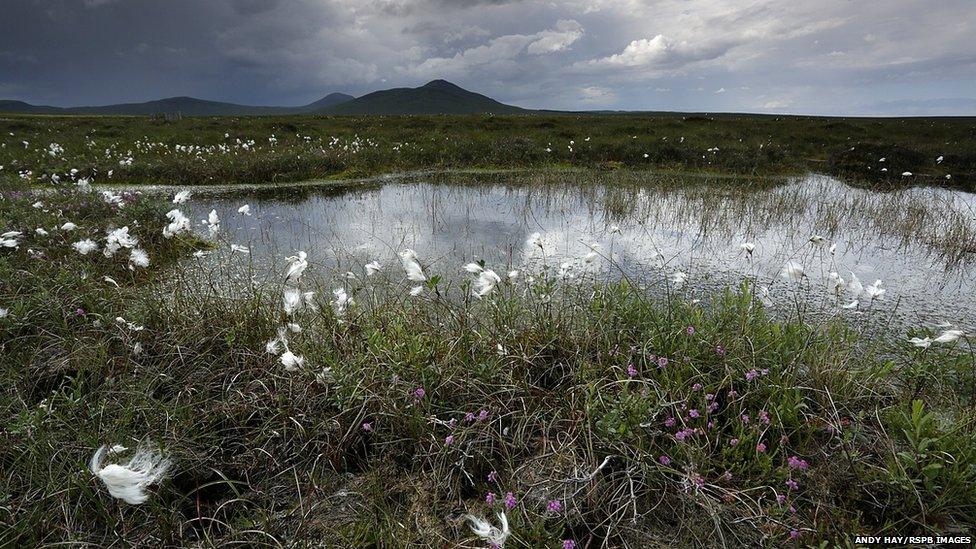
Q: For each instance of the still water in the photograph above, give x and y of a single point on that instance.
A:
(920, 242)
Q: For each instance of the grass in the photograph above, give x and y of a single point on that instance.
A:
(577, 407)
(229, 150)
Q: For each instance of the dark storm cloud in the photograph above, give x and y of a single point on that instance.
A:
(833, 56)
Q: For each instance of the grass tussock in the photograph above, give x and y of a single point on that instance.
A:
(592, 413)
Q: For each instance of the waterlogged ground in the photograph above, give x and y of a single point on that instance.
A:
(920, 242)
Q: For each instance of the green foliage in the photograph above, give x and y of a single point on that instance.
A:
(564, 392)
(307, 147)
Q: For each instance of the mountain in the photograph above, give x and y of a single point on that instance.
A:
(436, 97)
(187, 106)
(330, 100)
(20, 107)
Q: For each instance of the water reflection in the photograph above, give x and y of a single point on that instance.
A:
(921, 242)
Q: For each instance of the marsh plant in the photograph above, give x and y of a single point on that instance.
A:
(409, 403)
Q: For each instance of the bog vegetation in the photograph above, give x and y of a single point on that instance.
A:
(133, 150)
(413, 404)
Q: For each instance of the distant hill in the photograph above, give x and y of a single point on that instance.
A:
(187, 106)
(437, 97)
(7, 105)
(330, 100)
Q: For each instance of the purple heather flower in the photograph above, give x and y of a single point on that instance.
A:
(554, 506)
(493, 476)
(764, 416)
(693, 413)
(368, 427)
(631, 371)
(469, 417)
(419, 393)
(665, 460)
(734, 442)
(449, 440)
(745, 419)
(569, 544)
(792, 484)
(751, 375)
(691, 330)
(669, 422)
(490, 498)
(510, 501)
(662, 362)
(709, 397)
(719, 349)
(781, 498)
(794, 533)
(453, 423)
(732, 394)
(696, 387)
(761, 447)
(797, 463)
(483, 415)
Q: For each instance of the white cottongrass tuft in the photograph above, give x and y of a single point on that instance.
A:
(68, 226)
(291, 301)
(181, 197)
(117, 239)
(411, 266)
(373, 267)
(947, 336)
(473, 268)
(291, 361)
(86, 246)
(10, 239)
(483, 529)
(212, 222)
(416, 290)
(875, 291)
(138, 258)
(240, 249)
(341, 302)
(296, 266)
(129, 481)
(244, 210)
(678, 279)
(835, 283)
(749, 247)
(485, 283)
(178, 223)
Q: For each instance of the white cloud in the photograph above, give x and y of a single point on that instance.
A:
(500, 51)
(720, 90)
(775, 104)
(597, 94)
(661, 53)
(566, 32)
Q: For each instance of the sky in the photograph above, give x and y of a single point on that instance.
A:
(840, 57)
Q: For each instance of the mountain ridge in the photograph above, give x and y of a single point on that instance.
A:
(434, 97)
